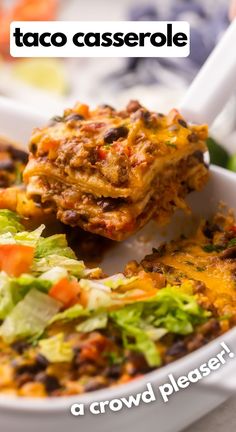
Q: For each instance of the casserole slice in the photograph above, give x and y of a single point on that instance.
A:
(110, 171)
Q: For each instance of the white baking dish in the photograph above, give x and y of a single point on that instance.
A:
(185, 406)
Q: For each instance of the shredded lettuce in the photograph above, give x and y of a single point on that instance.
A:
(23, 284)
(54, 275)
(29, 238)
(29, 317)
(97, 322)
(171, 310)
(55, 349)
(6, 300)
(9, 222)
(76, 268)
(176, 311)
(72, 313)
(117, 281)
(54, 245)
(24, 237)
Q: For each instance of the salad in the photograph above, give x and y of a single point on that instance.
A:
(66, 329)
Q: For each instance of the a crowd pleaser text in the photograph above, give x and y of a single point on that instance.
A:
(164, 392)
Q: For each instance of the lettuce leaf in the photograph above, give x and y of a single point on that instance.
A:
(54, 245)
(117, 281)
(29, 238)
(23, 284)
(6, 300)
(70, 314)
(29, 317)
(171, 310)
(9, 222)
(55, 349)
(99, 321)
(73, 266)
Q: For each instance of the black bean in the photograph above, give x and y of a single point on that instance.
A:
(50, 382)
(198, 155)
(183, 123)
(113, 371)
(133, 106)
(42, 361)
(20, 346)
(29, 369)
(178, 348)
(18, 154)
(109, 204)
(74, 117)
(71, 217)
(114, 134)
(55, 119)
(107, 106)
(209, 229)
(36, 198)
(193, 137)
(84, 217)
(33, 148)
(146, 117)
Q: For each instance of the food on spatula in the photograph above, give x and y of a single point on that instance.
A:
(110, 171)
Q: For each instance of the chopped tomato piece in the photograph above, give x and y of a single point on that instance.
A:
(65, 291)
(102, 154)
(94, 347)
(16, 259)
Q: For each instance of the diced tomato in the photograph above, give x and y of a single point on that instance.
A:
(94, 347)
(16, 259)
(65, 291)
(102, 154)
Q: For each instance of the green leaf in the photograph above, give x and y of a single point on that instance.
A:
(97, 322)
(71, 265)
(232, 242)
(6, 300)
(54, 245)
(23, 284)
(29, 238)
(10, 222)
(212, 248)
(55, 349)
(72, 313)
(29, 317)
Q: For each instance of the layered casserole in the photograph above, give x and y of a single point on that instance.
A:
(110, 171)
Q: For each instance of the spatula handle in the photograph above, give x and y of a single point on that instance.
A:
(215, 82)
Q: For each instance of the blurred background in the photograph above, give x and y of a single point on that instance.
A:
(50, 85)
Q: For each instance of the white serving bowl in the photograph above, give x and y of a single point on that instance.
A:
(185, 406)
